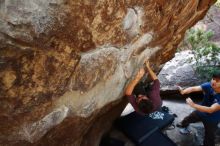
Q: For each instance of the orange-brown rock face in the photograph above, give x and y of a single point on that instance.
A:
(64, 63)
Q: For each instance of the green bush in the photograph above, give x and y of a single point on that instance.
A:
(205, 52)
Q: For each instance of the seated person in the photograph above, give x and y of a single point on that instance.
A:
(144, 102)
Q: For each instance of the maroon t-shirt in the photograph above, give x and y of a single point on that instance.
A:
(153, 95)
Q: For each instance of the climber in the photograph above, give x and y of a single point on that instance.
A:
(144, 101)
(208, 112)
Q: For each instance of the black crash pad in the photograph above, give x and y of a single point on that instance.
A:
(138, 127)
(157, 139)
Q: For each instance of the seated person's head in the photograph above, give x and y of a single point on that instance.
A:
(144, 104)
(215, 82)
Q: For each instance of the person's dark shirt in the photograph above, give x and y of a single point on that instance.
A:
(210, 98)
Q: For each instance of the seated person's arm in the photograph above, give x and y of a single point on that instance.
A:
(150, 71)
(213, 108)
(190, 90)
(133, 83)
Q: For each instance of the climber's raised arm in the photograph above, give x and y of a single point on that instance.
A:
(129, 89)
(150, 71)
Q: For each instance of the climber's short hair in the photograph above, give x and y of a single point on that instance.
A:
(216, 74)
(146, 106)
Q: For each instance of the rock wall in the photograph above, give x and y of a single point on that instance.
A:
(64, 64)
(179, 71)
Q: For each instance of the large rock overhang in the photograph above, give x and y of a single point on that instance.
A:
(64, 64)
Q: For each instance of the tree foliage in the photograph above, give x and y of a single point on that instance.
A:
(206, 53)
